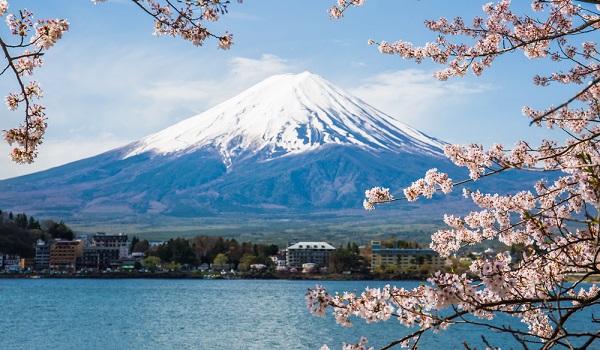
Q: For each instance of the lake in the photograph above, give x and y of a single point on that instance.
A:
(189, 314)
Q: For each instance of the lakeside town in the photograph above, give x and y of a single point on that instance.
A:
(55, 251)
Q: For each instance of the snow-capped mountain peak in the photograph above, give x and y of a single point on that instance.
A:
(287, 114)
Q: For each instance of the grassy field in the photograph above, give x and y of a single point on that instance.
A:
(338, 227)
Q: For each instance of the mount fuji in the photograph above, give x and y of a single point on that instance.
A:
(292, 143)
(287, 115)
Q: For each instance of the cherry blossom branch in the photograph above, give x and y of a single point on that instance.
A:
(380, 309)
(185, 22)
(553, 110)
(28, 136)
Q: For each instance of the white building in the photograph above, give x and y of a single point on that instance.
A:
(309, 252)
(278, 260)
(11, 259)
(42, 255)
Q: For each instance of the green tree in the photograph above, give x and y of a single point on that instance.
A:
(271, 249)
(344, 260)
(134, 241)
(33, 224)
(177, 250)
(21, 220)
(418, 260)
(61, 231)
(16, 240)
(246, 261)
(141, 246)
(172, 266)
(152, 263)
(221, 261)
(264, 259)
(234, 252)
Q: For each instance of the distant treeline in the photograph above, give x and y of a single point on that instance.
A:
(18, 233)
(205, 249)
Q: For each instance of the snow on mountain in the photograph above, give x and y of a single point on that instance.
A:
(287, 114)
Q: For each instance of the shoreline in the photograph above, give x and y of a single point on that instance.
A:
(197, 276)
(247, 276)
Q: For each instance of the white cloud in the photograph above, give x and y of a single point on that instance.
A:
(258, 69)
(240, 74)
(416, 98)
(457, 111)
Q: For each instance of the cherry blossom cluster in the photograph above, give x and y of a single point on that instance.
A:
(48, 32)
(3, 7)
(186, 21)
(358, 346)
(555, 223)
(337, 11)
(428, 185)
(22, 59)
(376, 195)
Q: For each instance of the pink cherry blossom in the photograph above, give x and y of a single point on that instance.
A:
(530, 286)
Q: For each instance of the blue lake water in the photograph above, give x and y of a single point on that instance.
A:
(189, 314)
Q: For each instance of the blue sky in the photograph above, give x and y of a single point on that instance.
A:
(109, 81)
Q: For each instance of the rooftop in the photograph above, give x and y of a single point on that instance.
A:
(311, 245)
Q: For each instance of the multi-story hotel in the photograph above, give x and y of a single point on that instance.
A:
(111, 240)
(64, 254)
(403, 258)
(100, 258)
(309, 252)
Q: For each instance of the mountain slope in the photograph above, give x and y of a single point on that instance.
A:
(290, 144)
